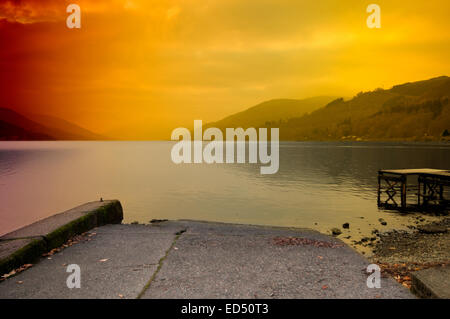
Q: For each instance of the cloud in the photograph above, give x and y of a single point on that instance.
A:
(23, 11)
(32, 11)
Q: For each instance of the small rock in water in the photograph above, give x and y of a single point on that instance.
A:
(382, 221)
(432, 229)
(153, 221)
(336, 231)
(346, 225)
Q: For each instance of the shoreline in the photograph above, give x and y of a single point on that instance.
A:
(392, 250)
(402, 253)
(194, 259)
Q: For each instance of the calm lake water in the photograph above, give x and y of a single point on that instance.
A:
(319, 185)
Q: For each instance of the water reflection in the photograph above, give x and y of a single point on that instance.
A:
(354, 165)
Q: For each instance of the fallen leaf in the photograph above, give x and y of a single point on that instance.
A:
(20, 282)
(324, 287)
(298, 241)
(103, 260)
(120, 296)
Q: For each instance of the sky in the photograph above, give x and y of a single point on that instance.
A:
(137, 69)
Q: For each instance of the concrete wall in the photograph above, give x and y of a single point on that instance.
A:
(27, 244)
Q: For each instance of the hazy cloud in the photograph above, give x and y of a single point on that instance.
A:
(32, 11)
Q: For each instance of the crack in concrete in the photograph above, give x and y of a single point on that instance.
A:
(160, 263)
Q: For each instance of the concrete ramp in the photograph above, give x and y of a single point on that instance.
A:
(214, 260)
(191, 259)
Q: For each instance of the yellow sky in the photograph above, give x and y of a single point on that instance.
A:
(139, 68)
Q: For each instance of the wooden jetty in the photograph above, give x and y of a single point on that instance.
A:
(428, 185)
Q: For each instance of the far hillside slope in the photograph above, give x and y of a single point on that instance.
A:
(65, 126)
(16, 126)
(272, 112)
(10, 132)
(411, 111)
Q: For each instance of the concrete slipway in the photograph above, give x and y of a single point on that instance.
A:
(182, 259)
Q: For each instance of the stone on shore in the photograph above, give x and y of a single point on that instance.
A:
(432, 229)
(336, 231)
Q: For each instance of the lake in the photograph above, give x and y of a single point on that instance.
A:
(318, 185)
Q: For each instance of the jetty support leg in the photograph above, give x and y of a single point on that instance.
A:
(379, 190)
(403, 195)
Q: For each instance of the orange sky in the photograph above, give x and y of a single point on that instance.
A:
(139, 68)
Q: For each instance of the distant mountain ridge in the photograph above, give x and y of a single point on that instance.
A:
(410, 111)
(272, 111)
(413, 111)
(15, 126)
(62, 125)
(10, 132)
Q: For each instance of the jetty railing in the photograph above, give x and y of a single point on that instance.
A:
(395, 187)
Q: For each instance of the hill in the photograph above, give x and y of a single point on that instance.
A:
(10, 132)
(15, 126)
(272, 112)
(65, 126)
(411, 111)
